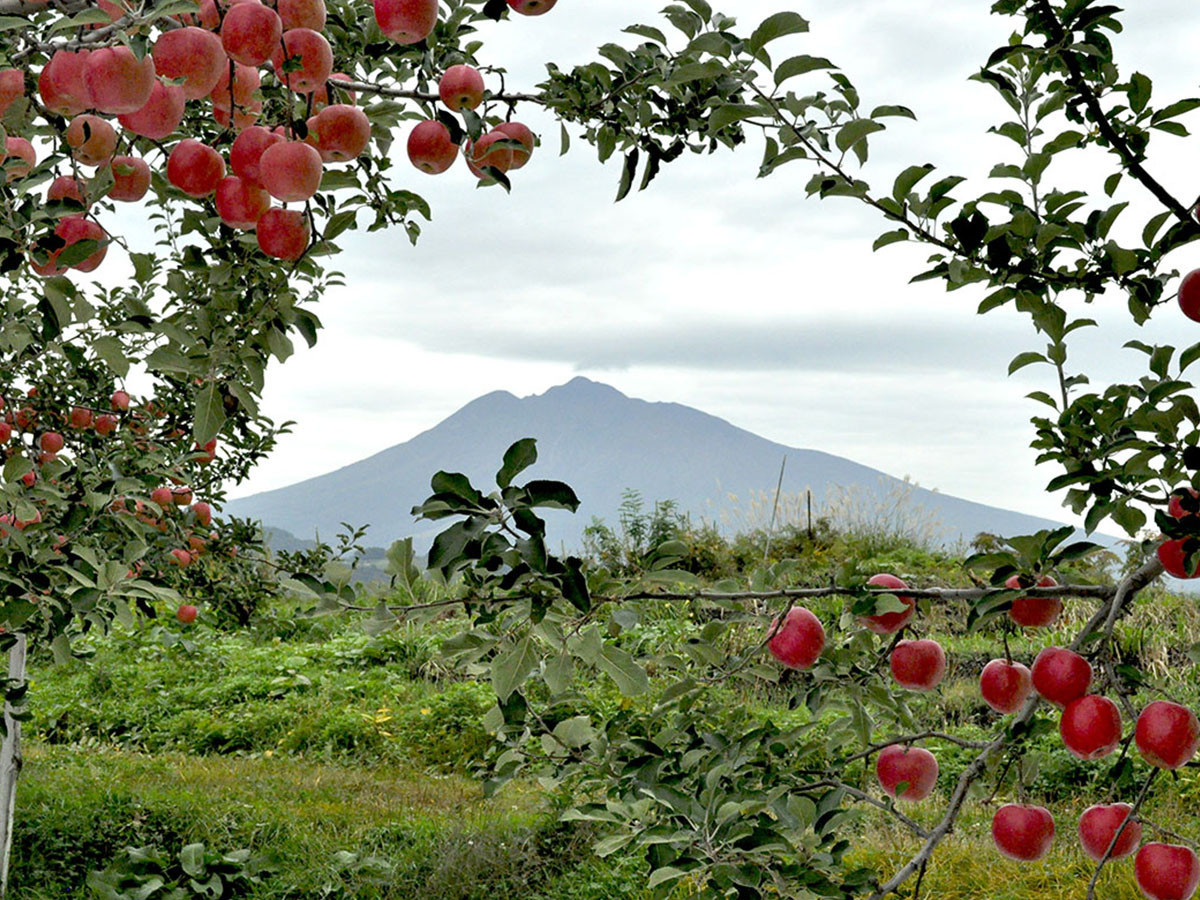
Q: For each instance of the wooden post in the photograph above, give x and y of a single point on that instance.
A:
(10, 764)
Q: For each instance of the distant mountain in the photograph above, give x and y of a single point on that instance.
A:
(602, 442)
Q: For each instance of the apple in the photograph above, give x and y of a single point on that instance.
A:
(1023, 833)
(1098, 825)
(80, 417)
(518, 132)
(913, 766)
(237, 90)
(283, 233)
(250, 33)
(1166, 871)
(532, 7)
(62, 84)
(160, 115)
(91, 139)
(12, 86)
(341, 131)
(314, 55)
(119, 401)
(246, 153)
(105, 425)
(1189, 295)
(1173, 556)
(64, 187)
(1005, 685)
(240, 203)
(302, 14)
(131, 179)
(209, 450)
(291, 170)
(1060, 675)
(195, 168)
(51, 442)
(202, 512)
(461, 87)
(23, 150)
(406, 21)
(1091, 726)
(799, 641)
(1034, 612)
(889, 623)
(918, 665)
(72, 230)
(186, 613)
(163, 497)
(430, 148)
(117, 81)
(182, 496)
(194, 55)
(489, 150)
(5, 432)
(1183, 502)
(320, 97)
(1167, 734)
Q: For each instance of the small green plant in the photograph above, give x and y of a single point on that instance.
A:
(146, 873)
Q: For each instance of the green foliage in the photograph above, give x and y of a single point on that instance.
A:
(144, 872)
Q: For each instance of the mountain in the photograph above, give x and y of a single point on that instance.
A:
(602, 442)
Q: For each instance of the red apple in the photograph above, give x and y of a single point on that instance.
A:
(406, 21)
(1091, 726)
(246, 153)
(1176, 507)
(1034, 612)
(81, 417)
(1060, 675)
(1023, 833)
(193, 54)
(195, 168)
(250, 33)
(117, 81)
(532, 7)
(918, 665)
(12, 86)
(914, 766)
(1098, 825)
(131, 179)
(341, 131)
(430, 148)
(160, 115)
(1167, 871)
(889, 623)
(5, 432)
(23, 150)
(64, 187)
(518, 132)
(163, 497)
(62, 84)
(240, 204)
(1189, 295)
(51, 442)
(1173, 556)
(105, 424)
(91, 139)
(1167, 735)
(238, 91)
(119, 401)
(1005, 685)
(186, 613)
(291, 170)
(799, 641)
(461, 87)
(209, 450)
(302, 14)
(203, 513)
(312, 52)
(74, 229)
(283, 233)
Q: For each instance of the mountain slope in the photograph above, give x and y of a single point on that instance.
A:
(602, 442)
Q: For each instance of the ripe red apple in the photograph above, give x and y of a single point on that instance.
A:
(1023, 833)
(312, 52)
(915, 766)
(131, 179)
(209, 450)
(1091, 726)
(81, 417)
(1173, 556)
(105, 424)
(918, 665)
(406, 21)
(430, 148)
(250, 33)
(291, 170)
(461, 87)
(91, 139)
(62, 84)
(1034, 612)
(1005, 685)
(1189, 295)
(1176, 507)
(320, 97)
(117, 81)
(12, 86)
(238, 91)
(119, 401)
(163, 497)
(799, 641)
(489, 150)
(240, 204)
(23, 150)
(5, 432)
(195, 168)
(532, 7)
(283, 233)
(1167, 735)
(246, 153)
(1060, 675)
(203, 513)
(160, 115)
(889, 623)
(341, 131)
(1166, 871)
(302, 14)
(518, 132)
(72, 230)
(51, 441)
(186, 613)
(1099, 824)
(64, 187)
(194, 55)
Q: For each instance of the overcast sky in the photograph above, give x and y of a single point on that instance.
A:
(715, 289)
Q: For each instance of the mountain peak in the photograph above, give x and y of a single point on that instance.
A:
(584, 389)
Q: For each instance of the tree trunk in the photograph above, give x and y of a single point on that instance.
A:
(10, 764)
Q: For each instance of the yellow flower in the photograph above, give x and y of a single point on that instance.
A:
(425, 711)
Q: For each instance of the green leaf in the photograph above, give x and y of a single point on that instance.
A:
(774, 27)
(630, 678)
(457, 484)
(724, 116)
(908, 179)
(893, 110)
(890, 237)
(627, 174)
(210, 414)
(1021, 360)
(191, 860)
(511, 667)
(853, 132)
(517, 458)
(800, 65)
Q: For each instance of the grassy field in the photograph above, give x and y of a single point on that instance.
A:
(348, 764)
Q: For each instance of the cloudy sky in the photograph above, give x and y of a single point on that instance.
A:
(715, 289)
